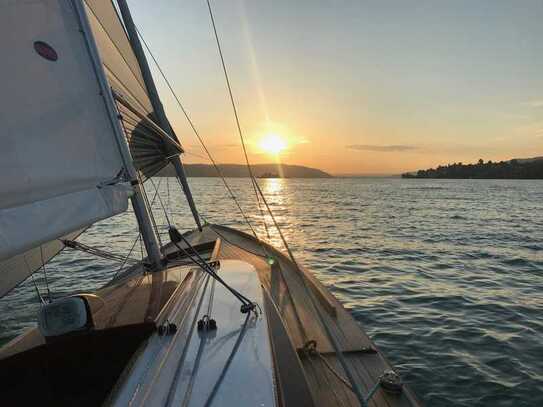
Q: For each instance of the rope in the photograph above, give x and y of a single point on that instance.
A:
(197, 134)
(310, 348)
(127, 256)
(141, 248)
(247, 305)
(331, 337)
(168, 191)
(150, 207)
(234, 108)
(113, 256)
(178, 370)
(72, 244)
(41, 299)
(196, 155)
(254, 181)
(161, 203)
(228, 362)
(45, 274)
(145, 198)
(139, 237)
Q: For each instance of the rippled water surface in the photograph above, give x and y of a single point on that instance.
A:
(446, 276)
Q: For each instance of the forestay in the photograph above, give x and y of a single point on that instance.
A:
(60, 166)
(149, 148)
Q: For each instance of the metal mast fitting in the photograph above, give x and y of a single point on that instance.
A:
(157, 104)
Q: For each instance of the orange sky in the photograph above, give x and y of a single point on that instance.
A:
(355, 87)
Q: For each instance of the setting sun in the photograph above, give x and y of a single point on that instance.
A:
(272, 143)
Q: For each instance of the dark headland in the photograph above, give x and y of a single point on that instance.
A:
(520, 168)
(240, 171)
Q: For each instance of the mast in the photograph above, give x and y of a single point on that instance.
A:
(157, 104)
(138, 201)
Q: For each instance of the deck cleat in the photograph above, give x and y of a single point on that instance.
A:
(391, 382)
(167, 328)
(207, 324)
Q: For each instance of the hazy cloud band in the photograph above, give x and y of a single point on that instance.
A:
(369, 147)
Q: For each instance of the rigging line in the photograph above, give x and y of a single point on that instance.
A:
(204, 340)
(150, 206)
(355, 388)
(141, 247)
(278, 228)
(197, 134)
(145, 198)
(72, 244)
(178, 369)
(45, 274)
(196, 155)
(42, 301)
(235, 348)
(175, 237)
(108, 255)
(161, 203)
(138, 237)
(40, 298)
(168, 192)
(332, 339)
(211, 297)
(234, 108)
(209, 270)
(243, 214)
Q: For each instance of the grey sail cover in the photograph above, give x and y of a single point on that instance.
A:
(59, 161)
(149, 148)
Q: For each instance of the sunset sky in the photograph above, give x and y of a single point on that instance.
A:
(367, 87)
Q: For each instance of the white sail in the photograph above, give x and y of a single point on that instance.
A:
(148, 147)
(59, 161)
(120, 63)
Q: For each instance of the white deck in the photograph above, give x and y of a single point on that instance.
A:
(226, 367)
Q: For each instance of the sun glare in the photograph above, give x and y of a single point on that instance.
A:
(272, 143)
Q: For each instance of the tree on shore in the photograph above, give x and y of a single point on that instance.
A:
(513, 169)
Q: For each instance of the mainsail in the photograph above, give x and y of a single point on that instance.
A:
(60, 165)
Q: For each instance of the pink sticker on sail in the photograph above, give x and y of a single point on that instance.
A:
(45, 50)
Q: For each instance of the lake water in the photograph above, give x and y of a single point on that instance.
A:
(446, 276)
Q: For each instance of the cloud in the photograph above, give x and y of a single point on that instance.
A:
(535, 103)
(389, 148)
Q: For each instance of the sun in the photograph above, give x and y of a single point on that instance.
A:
(272, 143)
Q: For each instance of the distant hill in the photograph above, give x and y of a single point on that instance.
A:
(518, 168)
(240, 171)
